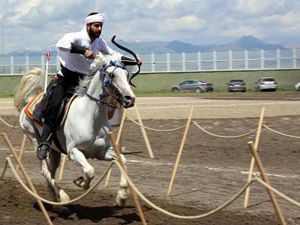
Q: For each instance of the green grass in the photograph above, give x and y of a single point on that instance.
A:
(160, 84)
(147, 83)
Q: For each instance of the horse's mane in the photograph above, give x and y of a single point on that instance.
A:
(30, 86)
(99, 61)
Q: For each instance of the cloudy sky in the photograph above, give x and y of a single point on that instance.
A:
(40, 23)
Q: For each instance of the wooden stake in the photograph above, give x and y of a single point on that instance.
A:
(120, 131)
(21, 151)
(265, 179)
(260, 123)
(133, 194)
(62, 167)
(180, 151)
(12, 149)
(144, 133)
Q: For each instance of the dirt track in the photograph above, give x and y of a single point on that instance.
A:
(211, 170)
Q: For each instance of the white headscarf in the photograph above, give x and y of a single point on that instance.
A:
(96, 18)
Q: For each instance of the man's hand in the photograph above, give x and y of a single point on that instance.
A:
(139, 62)
(89, 54)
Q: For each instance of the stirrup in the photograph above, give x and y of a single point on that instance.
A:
(42, 150)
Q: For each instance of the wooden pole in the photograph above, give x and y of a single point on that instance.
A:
(180, 151)
(260, 123)
(133, 194)
(120, 131)
(44, 211)
(21, 151)
(62, 167)
(144, 133)
(265, 179)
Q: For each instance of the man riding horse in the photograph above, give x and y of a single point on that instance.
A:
(76, 53)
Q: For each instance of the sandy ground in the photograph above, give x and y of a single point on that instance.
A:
(212, 169)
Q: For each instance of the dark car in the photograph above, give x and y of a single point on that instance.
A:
(193, 85)
(236, 85)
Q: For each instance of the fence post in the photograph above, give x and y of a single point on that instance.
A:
(294, 58)
(12, 65)
(27, 62)
(183, 62)
(199, 61)
(152, 62)
(262, 59)
(230, 59)
(215, 60)
(246, 60)
(168, 61)
(278, 58)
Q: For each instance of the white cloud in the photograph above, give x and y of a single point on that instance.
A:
(242, 31)
(167, 3)
(258, 7)
(190, 22)
(39, 23)
(20, 9)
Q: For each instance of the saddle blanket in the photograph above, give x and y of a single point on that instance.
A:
(33, 109)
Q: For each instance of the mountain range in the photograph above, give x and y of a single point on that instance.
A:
(243, 43)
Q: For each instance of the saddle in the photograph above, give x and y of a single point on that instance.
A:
(34, 109)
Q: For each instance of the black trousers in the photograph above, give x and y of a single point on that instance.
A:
(56, 91)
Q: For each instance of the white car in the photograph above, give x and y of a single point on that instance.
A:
(266, 84)
(297, 86)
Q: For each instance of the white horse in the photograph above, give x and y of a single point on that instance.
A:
(84, 133)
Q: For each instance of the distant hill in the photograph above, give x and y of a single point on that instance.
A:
(245, 42)
(250, 43)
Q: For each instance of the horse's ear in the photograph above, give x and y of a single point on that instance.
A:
(97, 63)
(99, 55)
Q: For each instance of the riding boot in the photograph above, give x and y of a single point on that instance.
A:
(45, 143)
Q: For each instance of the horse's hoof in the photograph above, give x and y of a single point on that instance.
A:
(121, 198)
(79, 182)
(64, 197)
(120, 203)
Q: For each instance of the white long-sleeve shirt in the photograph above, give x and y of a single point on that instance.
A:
(78, 62)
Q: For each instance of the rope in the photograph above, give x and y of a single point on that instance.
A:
(51, 202)
(149, 128)
(277, 192)
(7, 124)
(222, 136)
(176, 215)
(8, 160)
(277, 132)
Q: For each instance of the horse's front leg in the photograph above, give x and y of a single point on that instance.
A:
(80, 160)
(48, 170)
(122, 194)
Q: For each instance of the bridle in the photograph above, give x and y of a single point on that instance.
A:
(107, 77)
(107, 82)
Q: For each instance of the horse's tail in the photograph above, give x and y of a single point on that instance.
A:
(30, 86)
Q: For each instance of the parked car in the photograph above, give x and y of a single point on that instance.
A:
(193, 85)
(266, 84)
(297, 86)
(236, 85)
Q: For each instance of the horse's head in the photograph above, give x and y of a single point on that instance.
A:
(115, 78)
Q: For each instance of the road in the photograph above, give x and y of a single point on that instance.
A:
(179, 108)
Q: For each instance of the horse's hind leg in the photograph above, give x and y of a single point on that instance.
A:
(79, 159)
(48, 171)
(122, 194)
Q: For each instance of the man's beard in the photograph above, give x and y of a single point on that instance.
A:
(94, 34)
